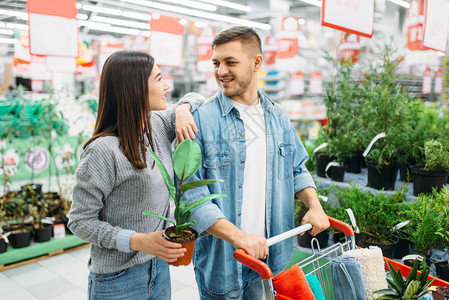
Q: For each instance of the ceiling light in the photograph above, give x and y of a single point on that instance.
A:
(133, 24)
(6, 31)
(200, 24)
(401, 3)
(109, 28)
(7, 41)
(101, 9)
(201, 14)
(17, 26)
(229, 4)
(129, 14)
(82, 16)
(193, 4)
(21, 15)
(313, 2)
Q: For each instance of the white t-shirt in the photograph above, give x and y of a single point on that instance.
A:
(254, 180)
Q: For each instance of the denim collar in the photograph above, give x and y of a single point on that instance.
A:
(226, 104)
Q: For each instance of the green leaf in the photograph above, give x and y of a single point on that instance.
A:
(397, 278)
(168, 182)
(179, 228)
(149, 213)
(204, 200)
(186, 159)
(193, 184)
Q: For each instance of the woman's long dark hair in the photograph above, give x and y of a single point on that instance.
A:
(123, 105)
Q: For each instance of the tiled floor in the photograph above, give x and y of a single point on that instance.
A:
(64, 277)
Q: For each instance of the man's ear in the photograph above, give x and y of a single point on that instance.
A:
(258, 59)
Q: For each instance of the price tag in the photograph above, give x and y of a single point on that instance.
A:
(435, 25)
(427, 81)
(377, 137)
(297, 84)
(323, 145)
(59, 231)
(353, 16)
(353, 222)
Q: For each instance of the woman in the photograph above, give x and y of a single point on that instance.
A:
(116, 180)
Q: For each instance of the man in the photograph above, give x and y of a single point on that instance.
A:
(247, 140)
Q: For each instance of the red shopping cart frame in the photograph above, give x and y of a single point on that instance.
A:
(405, 270)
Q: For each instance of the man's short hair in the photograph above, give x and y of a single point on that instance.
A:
(246, 35)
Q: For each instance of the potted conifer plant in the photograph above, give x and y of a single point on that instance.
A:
(435, 172)
(186, 161)
(385, 112)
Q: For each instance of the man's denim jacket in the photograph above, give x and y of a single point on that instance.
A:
(221, 136)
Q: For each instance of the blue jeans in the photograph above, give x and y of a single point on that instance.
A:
(150, 280)
(251, 290)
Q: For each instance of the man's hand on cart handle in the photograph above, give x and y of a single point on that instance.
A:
(318, 218)
(254, 245)
(315, 215)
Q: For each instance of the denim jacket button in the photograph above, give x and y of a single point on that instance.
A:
(242, 133)
(239, 214)
(242, 161)
(240, 186)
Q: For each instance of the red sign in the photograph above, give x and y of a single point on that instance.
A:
(205, 38)
(349, 48)
(427, 81)
(287, 47)
(270, 50)
(415, 21)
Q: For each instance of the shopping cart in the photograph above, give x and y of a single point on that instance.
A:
(318, 263)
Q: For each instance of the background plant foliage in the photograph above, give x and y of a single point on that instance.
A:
(386, 108)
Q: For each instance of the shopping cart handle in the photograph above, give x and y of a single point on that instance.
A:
(261, 268)
(253, 263)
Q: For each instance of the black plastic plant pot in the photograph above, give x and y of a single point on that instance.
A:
(20, 239)
(336, 173)
(305, 240)
(354, 163)
(3, 245)
(43, 234)
(405, 173)
(338, 237)
(442, 269)
(424, 181)
(385, 178)
(387, 249)
(403, 248)
(322, 160)
(36, 187)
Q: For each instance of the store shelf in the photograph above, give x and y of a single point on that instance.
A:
(50, 248)
(361, 180)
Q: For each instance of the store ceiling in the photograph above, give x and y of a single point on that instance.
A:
(112, 17)
(96, 15)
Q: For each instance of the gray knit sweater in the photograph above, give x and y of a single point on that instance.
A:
(110, 194)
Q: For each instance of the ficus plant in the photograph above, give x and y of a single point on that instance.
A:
(186, 161)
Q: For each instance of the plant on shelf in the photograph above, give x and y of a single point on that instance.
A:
(435, 171)
(385, 111)
(342, 100)
(413, 287)
(52, 125)
(429, 225)
(186, 161)
(376, 216)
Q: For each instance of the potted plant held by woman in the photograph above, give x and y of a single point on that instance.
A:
(186, 161)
